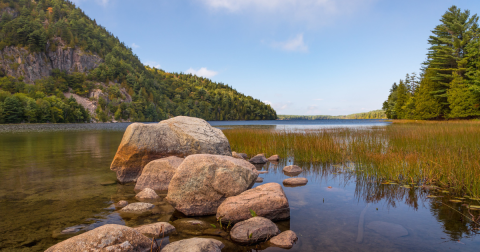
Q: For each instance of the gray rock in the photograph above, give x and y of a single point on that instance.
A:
(202, 182)
(180, 136)
(138, 207)
(284, 240)
(267, 200)
(194, 245)
(147, 194)
(156, 230)
(387, 229)
(295, 181)
(258, 159)
(109, 237)
(254, 230)
(158, 173)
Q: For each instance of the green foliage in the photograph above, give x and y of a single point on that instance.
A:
(213, 225)
(376, 114)
(253, 213)
(463, 102)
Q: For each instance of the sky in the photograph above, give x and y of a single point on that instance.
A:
(304, 57)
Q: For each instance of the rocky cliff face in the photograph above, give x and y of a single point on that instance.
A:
(17, 61)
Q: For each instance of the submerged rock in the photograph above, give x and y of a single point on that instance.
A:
(259, 159)
(179, 136)
(295, 181)
(387, 229)
(191, 226)
(158, 173)
(285, 240)
(121, 204)
(262, 172)
(266, 200)
(110, 237)
(256, 229)
(147, 194)
(273, 158)
(202, 182)
(195, 245)
(215, 232)
(156, 230)
(138, 207)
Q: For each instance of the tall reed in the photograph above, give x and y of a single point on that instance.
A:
(442, 153)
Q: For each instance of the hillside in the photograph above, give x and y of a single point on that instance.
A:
(58, 65)
(376, 114)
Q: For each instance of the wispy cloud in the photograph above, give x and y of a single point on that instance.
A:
(153, 64)
(314, 12)
(295, 44)
(204, 72)
(279, 106)
(135, 46)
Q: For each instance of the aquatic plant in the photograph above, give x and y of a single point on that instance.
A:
(442, 153)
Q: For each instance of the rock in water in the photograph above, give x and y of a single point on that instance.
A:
(138, 207)
(284, 240)
(390, 230)
(259, 180)
(254, 230)
(121, 203)
(110, 237)
(202, 182)
(295, 181)
(147, 194)
(273, 158)
(292, 169)
(158, 173)
(237, 155)
(266, 200)
(195, 245)
(156, 230)
(179, 136)
(258, 159)
(191, 226)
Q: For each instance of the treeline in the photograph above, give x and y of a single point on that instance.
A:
(155, 94)
(449, 83)
(376, 114)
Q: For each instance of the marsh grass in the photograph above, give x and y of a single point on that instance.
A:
(443, 153)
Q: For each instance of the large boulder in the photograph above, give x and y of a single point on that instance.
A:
(203, 181)
(110, 237)
(158, 173)
(156, 230)
(179, 136)
(256, 229)
(266, 200)
(195, 245)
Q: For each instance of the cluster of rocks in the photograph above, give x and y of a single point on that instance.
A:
(193, 162)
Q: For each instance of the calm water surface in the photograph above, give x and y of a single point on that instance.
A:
(52, 176)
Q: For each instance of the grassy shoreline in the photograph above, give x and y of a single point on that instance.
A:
(444, 153)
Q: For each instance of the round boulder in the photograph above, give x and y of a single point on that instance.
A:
(156, 230)
(179, 136)
(292, 169)
(158, 173)
(138, 207)
(147, 194)
(295, 181)
(267, 200)
(202, 182)
(273, 158)
(195, 245)
(284, 240)
(110, 237)
(258, 159)
(254, 230)
(121, 203)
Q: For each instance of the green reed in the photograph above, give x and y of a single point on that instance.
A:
(442, 153)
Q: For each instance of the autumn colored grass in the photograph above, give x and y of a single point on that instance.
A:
(443, 153)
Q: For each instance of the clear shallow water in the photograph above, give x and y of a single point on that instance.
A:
(52, 174)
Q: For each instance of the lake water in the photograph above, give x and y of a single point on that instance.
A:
(52, 176)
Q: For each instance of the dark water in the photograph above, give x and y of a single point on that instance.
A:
(51, 178)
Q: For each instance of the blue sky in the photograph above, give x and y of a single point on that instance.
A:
(305, 57)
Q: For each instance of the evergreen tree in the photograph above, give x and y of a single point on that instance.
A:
(463, 102)
(402, 98)
(12, 110)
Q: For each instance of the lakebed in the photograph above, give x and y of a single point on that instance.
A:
(56, 177)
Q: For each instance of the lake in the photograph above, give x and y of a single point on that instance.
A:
(57, 176)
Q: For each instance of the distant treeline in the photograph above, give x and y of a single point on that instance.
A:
(449, 83)
(376, 114)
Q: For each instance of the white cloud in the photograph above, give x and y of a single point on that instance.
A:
(267, 102)
(295, 44)
(135, 45)
(204, 72)
(153, 64)
(314, 12)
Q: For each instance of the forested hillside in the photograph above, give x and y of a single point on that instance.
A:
(449, 83)
(58, 65)
(376, 114)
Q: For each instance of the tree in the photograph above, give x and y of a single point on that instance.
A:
(12, 110)
(402, 99)
(427, 105)
(463, 102)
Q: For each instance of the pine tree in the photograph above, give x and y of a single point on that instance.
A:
(12, 110)
(402, 98)
(463, 102)
(427, 105)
